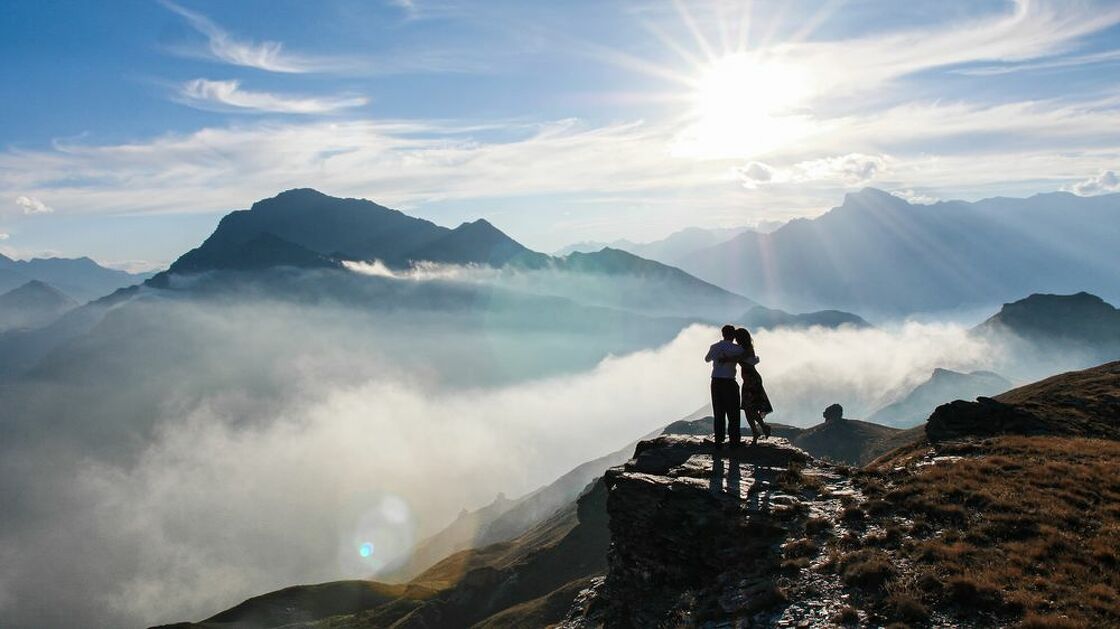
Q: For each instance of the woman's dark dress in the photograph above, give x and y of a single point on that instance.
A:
(754, 398)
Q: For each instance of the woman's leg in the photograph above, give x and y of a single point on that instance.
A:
(751, 419)
(765, 426)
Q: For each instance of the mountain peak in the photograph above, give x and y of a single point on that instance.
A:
(872, 196)
(33, 304)
(298, 193)
(480, 225)
(37, 287)
(345, 229)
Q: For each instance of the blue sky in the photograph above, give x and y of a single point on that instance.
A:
(129, 127)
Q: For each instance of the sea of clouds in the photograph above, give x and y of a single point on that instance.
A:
(298, 444)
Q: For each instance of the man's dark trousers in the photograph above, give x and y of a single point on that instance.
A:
(725, 409)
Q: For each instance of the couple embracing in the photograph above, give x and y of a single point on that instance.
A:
(737, 349)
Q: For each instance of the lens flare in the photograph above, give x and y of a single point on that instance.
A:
(383, 534)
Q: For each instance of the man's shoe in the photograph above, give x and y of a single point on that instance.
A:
(718, 445)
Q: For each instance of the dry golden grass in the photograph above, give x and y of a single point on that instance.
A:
(1025, 529)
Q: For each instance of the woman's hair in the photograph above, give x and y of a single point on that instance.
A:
(743, 337)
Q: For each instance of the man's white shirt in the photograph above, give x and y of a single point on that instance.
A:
(721, 351)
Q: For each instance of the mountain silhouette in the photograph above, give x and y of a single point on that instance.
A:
(878, 254)
(478, 242)
(668, 250)
(80, 278)
(317, 227)
(761, 317)
(307, 229)
(261, 251)
(1059, 320)
(944, 385)
(35, 304)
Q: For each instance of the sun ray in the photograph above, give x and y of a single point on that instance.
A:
(744, 28)
(684, 53)
(694, 28)
(722, 27)
(819, 17)
(768, 38)
(637, 64)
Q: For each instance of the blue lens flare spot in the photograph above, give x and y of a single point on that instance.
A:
(365, 550)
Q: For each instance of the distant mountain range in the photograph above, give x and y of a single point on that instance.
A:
(80, 278)
(33, 305)
(305, 228)
(768, 318)
(879, 255)
(944, 385)
(668, 250)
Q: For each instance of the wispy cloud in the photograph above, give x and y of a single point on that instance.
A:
(272, 56)
(1110, 56)
(1032, 29)
(393, 161)
(410, 162)
(265, 55)
(229, 95)
(945, 148)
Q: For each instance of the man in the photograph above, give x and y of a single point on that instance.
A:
(724, 356)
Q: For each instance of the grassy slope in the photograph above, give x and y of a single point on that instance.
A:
(1009, 529)
(1019, 529)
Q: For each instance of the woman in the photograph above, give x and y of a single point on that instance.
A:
(756, 403)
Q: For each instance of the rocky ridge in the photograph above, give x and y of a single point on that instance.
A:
(717, 538)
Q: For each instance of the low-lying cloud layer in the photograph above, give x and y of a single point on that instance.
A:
(309, 444)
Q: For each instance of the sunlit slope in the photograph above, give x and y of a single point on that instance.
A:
(876, 253)
(505, 518)
(533, 577)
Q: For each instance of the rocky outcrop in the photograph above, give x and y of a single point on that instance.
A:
(982, 418)
(1082, 403)
(698, 535)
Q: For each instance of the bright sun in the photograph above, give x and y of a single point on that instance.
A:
(745, 105)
